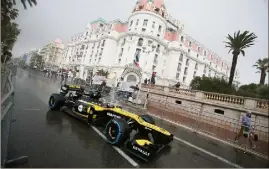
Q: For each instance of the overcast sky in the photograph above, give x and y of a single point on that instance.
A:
(207, 21)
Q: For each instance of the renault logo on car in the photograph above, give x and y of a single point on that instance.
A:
(141, 151)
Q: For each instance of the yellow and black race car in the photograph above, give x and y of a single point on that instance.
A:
(138, 133)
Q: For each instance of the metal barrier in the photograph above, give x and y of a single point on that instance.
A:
(7, 104)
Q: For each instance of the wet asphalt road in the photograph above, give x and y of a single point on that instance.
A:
(55, 139)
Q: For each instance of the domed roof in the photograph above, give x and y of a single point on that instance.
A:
(157, 3)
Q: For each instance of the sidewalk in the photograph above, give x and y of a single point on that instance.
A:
(230, 151)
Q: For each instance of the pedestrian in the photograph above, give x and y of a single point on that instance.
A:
(146, 81)
(245, 128)
(178, 85)
(45, 72)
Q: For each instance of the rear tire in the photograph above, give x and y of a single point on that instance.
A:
(117, 131)
(56, 101)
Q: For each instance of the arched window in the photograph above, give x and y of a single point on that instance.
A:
(140, 42)
(131, 78)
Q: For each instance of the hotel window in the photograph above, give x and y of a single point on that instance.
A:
(143, 29)
(205, 53)
(158, 48)
(198, 49)
(187, 62)
(194, 74)
(179, 67)
(189, 44)
(137, 22)
(184, 79)
(153, 25)
(181, 57)
(140, 42)
(177, 75)
(189, 50)
(204, 70)
(131, 23)
(160, 28)
(181, 38)
(155, 61)
(104, 41)
(145, 22)
(121, 52)
(153, 67)
(186, 71)
(196, 66)
(149, 42)
(101, 52)
(123, 42)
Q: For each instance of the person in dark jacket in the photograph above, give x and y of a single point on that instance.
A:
(177, 85)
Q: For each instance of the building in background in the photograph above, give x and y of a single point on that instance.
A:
(152, 40)
(53, 53)
(27, 57)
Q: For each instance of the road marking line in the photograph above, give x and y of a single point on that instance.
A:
(31, 109)
(209, 136)
(208, 153)
(123, 154)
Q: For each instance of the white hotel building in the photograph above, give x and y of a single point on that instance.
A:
(151, 36)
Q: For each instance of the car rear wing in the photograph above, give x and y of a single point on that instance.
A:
(68, 87)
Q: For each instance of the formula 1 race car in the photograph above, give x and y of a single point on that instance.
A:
(138, 134)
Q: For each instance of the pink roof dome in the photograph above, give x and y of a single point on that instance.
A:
(157, 3)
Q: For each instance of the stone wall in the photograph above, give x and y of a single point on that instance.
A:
(222, 120)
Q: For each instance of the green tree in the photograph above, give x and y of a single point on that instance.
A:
(209, 84)
(9, 29)
(36, 60)
(237, 44)
(263, 66)
(9, 35)
(102, 72)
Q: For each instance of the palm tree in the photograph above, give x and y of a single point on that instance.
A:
(102, 72)
(237, 44)
(8, 12)
(10, 30)
(263, 66)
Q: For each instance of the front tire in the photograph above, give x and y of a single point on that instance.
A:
(56, 101)
(117, 131)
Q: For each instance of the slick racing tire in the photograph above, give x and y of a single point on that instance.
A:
(117, 131)
(56, 101)
(148, 119)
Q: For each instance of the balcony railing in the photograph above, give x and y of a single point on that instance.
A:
(254, 104)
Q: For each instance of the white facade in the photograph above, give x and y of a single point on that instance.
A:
(159, 41)
(53, 53)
